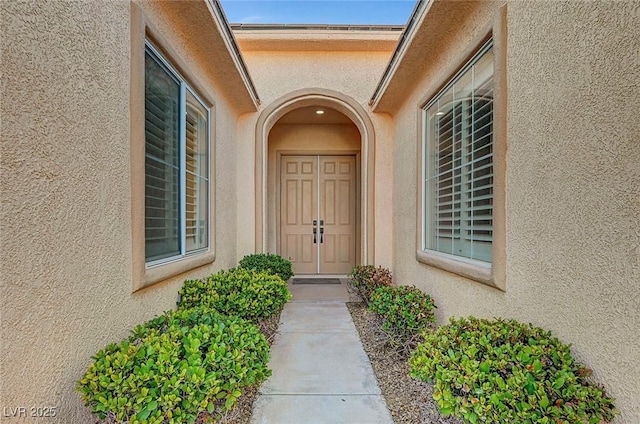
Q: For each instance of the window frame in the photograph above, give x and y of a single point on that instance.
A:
(428, 202)
(491, 274)
(143, 30)
(184, 89)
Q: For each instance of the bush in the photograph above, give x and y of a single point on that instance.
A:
(241, 292)
(268, 262)
(407, 311)
(366, 278)
(176, 367)
(502, 371)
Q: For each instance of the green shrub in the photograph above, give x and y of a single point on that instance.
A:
(365, 279)
(176, 367)
(269, 262)
(502, 371)
(407, 311)
(241, 292)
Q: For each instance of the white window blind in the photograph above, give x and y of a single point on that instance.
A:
(458, 184)
(162, 162)
(176, 164)
(197, 174)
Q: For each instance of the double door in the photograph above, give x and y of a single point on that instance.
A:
(318, 203)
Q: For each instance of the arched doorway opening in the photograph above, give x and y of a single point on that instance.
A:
(331, 164)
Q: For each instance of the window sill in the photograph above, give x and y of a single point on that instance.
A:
(475, 271)
(157, 273)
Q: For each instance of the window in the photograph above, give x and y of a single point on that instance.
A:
(458, 147)
(176, 164)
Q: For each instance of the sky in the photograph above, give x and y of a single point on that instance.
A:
(355, 12)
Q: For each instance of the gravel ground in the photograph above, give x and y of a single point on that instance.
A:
(410, 401)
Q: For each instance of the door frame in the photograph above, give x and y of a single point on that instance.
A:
(278, 165)
(268, 117)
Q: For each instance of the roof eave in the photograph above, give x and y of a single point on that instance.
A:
(225, 31)
(406, 38)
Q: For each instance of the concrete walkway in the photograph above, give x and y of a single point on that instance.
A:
(321, 374)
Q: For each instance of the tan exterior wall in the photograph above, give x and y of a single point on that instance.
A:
(67, 283)
(352, 73)
(572, 183)
(572, 180)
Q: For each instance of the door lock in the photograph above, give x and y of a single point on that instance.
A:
(315, 231)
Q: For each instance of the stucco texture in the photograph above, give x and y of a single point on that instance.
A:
(66, 248)
(354, 74)
(572, 184)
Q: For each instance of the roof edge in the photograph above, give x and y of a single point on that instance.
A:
(316, 27)
(227, 34)
(418, 14)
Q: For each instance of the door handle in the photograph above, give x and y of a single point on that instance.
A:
(315, 239)
(321, 234)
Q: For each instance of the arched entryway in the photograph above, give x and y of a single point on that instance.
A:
(351, 153)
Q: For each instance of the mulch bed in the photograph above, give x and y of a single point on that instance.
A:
(410, 401)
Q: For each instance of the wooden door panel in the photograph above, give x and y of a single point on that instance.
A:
(338, 211)
(345, 215)
(308, 200)
(318, 188)
(308, 254)
(298, 209)
(345, 246)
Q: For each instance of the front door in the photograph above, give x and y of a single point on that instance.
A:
(318, 213)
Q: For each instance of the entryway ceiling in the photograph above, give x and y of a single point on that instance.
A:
(308, 115)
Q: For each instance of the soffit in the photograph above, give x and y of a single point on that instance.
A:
(319, 39)
(209, 38)
(307, 115)
(435, 28)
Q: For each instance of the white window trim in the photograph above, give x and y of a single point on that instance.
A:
(184, 87)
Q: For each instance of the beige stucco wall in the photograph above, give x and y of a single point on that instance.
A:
(572, 179)
(572, 183)
(66, 236)
(354, 74)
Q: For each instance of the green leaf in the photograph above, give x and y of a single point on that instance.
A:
(558, 383)
(537, 365)
(446, 411)
(530, 387)
(144, 413)
(544, 402)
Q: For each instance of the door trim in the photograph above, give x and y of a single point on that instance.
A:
(278, 165)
